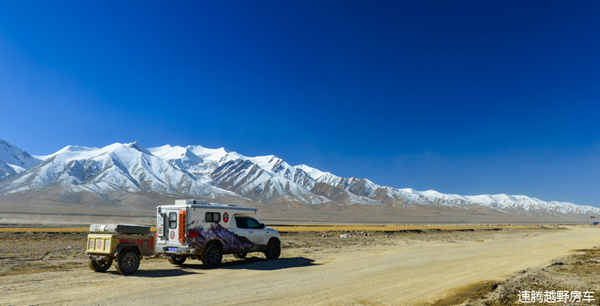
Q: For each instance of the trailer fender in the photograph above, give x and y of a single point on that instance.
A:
(127, 246)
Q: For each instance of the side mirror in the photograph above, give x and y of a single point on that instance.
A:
(262, 225)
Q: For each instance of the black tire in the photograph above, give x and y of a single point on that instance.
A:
(241, 255)
(273, 249)
(177, 260)
(128, 262)
(212, 256)
(99, 265)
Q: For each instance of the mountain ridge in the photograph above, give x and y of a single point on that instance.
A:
(214, 173)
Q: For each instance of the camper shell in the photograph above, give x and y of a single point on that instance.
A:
(201, 230)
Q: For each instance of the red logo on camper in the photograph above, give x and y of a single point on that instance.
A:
(172, 234)
(225, 217)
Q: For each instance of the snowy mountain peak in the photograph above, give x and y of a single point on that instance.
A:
(168, 152)
(213, 155)
(271, 163)
(182, 157)
(13, 156)
(312, 172)
(138, 146)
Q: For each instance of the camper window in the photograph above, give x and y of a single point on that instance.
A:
(212, 217)
(173, 220)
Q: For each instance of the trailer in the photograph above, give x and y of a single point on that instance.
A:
(123, 244)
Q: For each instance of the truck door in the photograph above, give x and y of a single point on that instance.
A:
(246, 227)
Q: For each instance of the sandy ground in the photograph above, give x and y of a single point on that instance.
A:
(574, 276)
(399, 267)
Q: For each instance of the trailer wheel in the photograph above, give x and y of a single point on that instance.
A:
(99, 265)
(177, 260)
(273, 249)
(241, 255)
(212, 256)
(128, 262)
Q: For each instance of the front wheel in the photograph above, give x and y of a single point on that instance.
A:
(177, 260)
(99, 265)
(212, 256)
(128, 262)
(273, 249)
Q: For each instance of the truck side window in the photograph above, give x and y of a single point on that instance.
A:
(212, 217)
(252, 223)
(173, 220)
(240, 222)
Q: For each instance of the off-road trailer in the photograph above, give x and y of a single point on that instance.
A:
(126, 245)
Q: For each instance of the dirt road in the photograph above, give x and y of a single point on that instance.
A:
(406, 272)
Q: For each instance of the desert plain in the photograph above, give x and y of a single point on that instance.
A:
(319, 265)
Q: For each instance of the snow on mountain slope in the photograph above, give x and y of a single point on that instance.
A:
(117, 167)
(185, 160)
(276, 166)
(249, 179)
(16, 158)
(215, 155)
(321, 176)
(501, 202)
(312, 172)
(262, 178)
(211, 172)
(6, 172)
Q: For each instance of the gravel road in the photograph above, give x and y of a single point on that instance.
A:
(402, 268)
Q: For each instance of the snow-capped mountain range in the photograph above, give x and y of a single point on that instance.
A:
(211, 173)
(14, 160)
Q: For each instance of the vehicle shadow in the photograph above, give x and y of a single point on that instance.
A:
(260, 264)
(157, 273)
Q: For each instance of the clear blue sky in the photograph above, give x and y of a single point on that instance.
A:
(465, 97)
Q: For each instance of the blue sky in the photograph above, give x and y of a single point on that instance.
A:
(466, 97)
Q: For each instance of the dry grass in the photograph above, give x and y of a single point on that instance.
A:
(323, 228)
(51, 229)
(45, 229)
(385, 228)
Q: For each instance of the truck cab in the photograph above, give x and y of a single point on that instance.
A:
(206, 231)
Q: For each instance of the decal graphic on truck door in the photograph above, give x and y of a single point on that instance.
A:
(232, 243)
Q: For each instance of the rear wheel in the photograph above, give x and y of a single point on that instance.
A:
(240, 255)
(273, 249)
(128, 262)
(212, 256)
(177, 260)
(99, 265)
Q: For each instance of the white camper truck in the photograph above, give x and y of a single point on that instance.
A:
(200, 230)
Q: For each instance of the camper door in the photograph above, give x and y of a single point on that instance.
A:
(172, 226)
